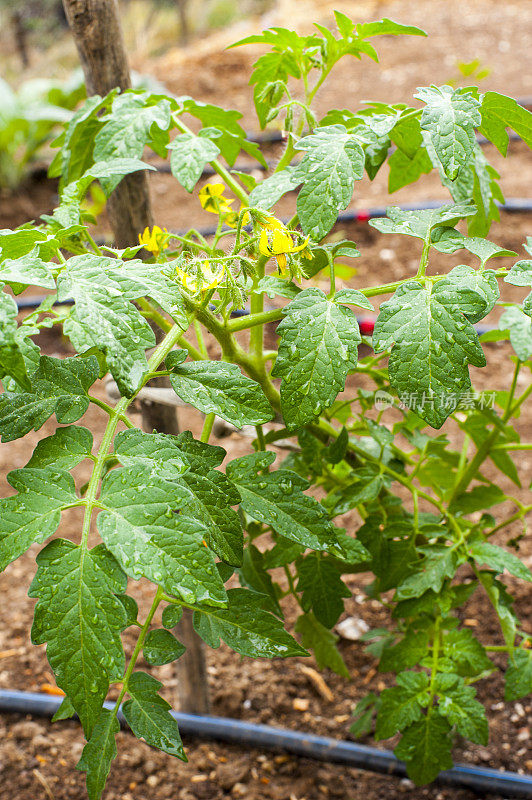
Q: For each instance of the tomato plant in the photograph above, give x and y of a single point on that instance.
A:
(421, 500)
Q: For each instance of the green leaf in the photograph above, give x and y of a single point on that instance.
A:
(406, 169)
(520, 274)
(172, 615)
(28, 270)
(502, 602)
(103, 316)
(363, 714)
(391, 548)
(18, 243)
(384, 27)
(519, 325)
(209, 494)
(322, 642)
(140, 527)
(426, 748)
(109, 173)
(65, 711)
(11, 359)
(408, 652)
(130, 125)
(254, 575)
(58, 385)
(333, 161)
(154, 282)
(277, 499)
(402, 705)
(99, 752)
(34, 513)
(233, 136)
(160, 647)
(466, 653)
(518, 675)
(65, 449)
(498, 559)
(498, 113)
(367, 483)
(478, 499)
(420, 223)
(246, 627)
(147, 714)
(457, 703)
(484, 249)
(215, 386)
(467, 285)
(273, 285)
(267, 193)
(80, 619)
(450, 116)
(322, 588)
(353, 297)
(439, 563)
(166, 456)
(188, 155)
(433, 344)
(131, 608)
(318, 347)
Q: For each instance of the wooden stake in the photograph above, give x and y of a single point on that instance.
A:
(95, 26)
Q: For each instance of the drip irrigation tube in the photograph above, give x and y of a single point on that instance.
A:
(512, 205)
(366, 324)
(321, 748)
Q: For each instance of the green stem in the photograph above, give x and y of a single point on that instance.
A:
(260, 437)
(116, 414)
(254, 319)
(92, 243)
(207, 427)
(291, 585)
(151, 312)
(243, 323)
(110, 410)
(288, 154)
(138, 647)
(201, 341)
(257, 306)
(512, 446)
(424, 260)
(332, 275)
(517, 515)
(434, 667)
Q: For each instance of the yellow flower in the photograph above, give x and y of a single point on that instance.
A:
(156, 241)
(212, 199)
(276, 240)
(203, 281)
(270, 223)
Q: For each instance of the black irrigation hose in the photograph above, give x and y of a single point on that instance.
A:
(366, 324)
(306, 745)
(513, 205)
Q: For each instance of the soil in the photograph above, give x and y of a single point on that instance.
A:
(37, 759)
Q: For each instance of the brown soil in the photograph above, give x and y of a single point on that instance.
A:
(37, 759)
